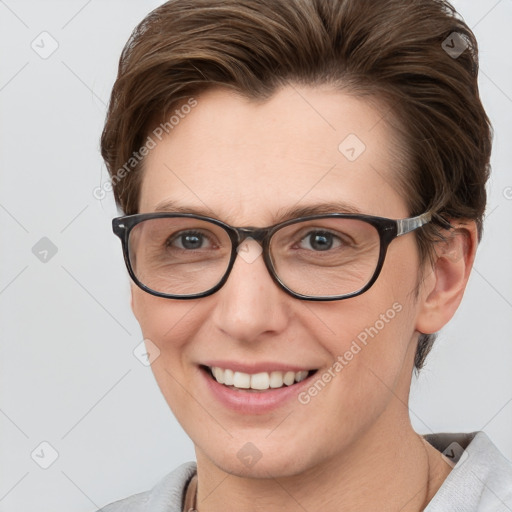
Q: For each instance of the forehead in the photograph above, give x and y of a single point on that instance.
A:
(246, 162)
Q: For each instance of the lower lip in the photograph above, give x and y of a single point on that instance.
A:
(253, 402)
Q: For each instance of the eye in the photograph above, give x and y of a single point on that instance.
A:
(320, 241)
(190, 240)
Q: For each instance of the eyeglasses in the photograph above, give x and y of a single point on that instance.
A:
(321, 258)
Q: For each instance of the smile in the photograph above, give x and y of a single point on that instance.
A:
(257, 381)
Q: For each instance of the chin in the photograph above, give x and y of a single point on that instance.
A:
(245, 460)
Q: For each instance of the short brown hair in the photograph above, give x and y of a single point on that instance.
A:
(394, 51)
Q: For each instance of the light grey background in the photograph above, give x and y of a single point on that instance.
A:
(68, 373)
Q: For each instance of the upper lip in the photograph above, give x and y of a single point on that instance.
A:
(259, 367)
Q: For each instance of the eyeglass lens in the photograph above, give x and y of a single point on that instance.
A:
(316, 257)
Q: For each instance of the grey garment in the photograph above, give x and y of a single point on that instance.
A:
(480, 481)
(166, 496)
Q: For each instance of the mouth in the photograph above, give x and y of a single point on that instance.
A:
(256, 382)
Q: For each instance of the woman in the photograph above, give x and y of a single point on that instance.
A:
(303, 185)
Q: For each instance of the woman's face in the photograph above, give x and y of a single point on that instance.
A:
(245, 163)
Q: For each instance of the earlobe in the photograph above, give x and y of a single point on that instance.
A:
(453, 261)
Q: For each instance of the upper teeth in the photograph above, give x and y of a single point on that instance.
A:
(263, 380)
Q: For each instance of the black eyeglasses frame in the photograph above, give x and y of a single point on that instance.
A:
(388, 230)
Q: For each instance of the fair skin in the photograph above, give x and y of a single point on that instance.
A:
(352, 446)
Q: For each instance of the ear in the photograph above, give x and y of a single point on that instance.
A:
(444, 287)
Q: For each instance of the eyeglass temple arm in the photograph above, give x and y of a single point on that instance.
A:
(407, 225)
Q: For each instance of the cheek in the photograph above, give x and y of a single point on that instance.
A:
(373, 335)
(168, 324)
(164, 321)
(370, 336)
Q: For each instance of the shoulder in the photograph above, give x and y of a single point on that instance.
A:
(481, 478)
(166, 495)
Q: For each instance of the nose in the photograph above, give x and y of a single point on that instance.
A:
(250, 304)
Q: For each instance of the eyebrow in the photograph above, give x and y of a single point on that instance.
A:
(283, 214)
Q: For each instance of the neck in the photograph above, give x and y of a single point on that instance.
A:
(394, 470)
